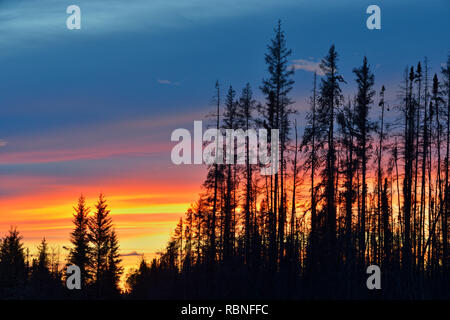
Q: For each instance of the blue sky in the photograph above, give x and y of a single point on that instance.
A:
(157, 62)
(51, 77)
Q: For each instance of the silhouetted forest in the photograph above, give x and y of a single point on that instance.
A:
(351, 191)
(94, 249)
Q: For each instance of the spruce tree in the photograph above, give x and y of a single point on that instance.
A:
(364, 99)
(276, 88)
(246, 107)
(446, 216)
(79, 253)
(100, 226)
(12, 260)
(330, 98)
(231, 121)
(44, 284)
(113, 269)
(309, 146)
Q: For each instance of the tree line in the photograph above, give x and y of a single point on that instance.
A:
(351, 192)
(94, 249)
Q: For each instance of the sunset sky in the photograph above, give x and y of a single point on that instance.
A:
(92, 110)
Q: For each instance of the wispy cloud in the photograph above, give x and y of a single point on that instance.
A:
(25, 23)
(168, 82)
(307, 65)
(129, 137)
(134, 253)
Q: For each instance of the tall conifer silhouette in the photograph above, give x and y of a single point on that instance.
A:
(79, 254)
(100, 228)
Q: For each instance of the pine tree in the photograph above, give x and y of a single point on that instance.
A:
(277, 88)
(188, 236)
(42, 281)
(409, 112)
(364, 99)
(425, 150)
(437, 100)
(231, 121)
(417, 101)
(12, 260)
(178, 238)
(216, 173)
(80, 252)
(293, 230)
(445, 217)
(43, 261)
(308, 145)
(387, 234)
(346, 121)
(246, 107)
(113, 267)
(99, 226)
(330, 98)
(380, 150)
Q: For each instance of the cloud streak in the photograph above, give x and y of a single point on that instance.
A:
(25, 24)
(133, 137)
(307, 65)
(131, 254)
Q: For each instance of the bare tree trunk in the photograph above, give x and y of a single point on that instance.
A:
(380, 155)
(213, 218)
(294, 184)
(446, 196)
